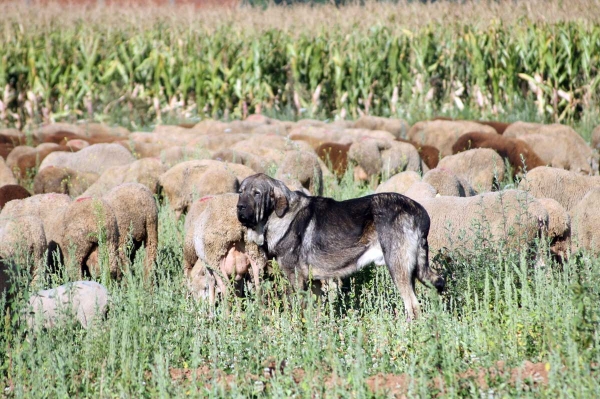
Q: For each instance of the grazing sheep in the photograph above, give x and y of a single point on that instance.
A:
(398, 127)
(559, 227)
(399, 183)
(146, 171)
(420, 191)
(372, 157)
(446, 182)
(480, 167)
(85, 301)
(566, 187)
(137, 217)
(191, 179)
(303, 167)
(220, 244)
(585, 217)
(176, 154)
(335, 154)
(442, 134)
(510, 215)
(62, 180)
(258, 163)
(93, 159)
(557, 145)
(518, 153)
(12, 192)
(22, 241)
(429, 154)
(28, 161)
(82, 221)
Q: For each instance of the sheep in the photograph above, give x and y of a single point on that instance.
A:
(62, 180)
(500, 127)
(82, 222)
(429, 154)
(585, 218)
(443, 134)
(184, 181)
(595, 141)
(256, 162)
(6, 175)
(566, 187)
(518, 153)
(557, 145)
(510, 215)
(420, 190)
(398, 127)
(93, 159)
(446, 182)
(146, 171)
(372, 157)
(399, 183)
(12, 192)
(480, 167)
(303, 167)
(86, 301)
(22, 241)
(559, 228)
(28, 161)
(137, 217)
(335, 154)
(221, 246)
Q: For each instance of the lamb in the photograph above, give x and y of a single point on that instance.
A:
(12, 192)
(566, 187)
(443, 134)
(137, 217)
(585, 218)
(480, 167)
(221, 246)
(518, 153)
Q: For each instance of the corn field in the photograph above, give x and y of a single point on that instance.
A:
(86, 69)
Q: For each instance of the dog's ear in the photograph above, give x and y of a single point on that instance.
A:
(280, 200)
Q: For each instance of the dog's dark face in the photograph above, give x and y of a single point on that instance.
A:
(260, 195)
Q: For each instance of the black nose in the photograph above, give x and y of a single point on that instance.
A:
(241, 207)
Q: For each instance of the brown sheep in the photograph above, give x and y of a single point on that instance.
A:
(12, 192)
(518, 153)
(335, 154)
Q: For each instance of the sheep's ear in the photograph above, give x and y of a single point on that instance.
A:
(281, 201)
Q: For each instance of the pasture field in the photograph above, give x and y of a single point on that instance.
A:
(505, 327)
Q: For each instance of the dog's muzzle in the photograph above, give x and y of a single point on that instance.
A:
(245, 216)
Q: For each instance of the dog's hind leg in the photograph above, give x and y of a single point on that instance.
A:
(401, 258)
(424, 273)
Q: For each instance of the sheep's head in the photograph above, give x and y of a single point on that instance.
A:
(260, 196)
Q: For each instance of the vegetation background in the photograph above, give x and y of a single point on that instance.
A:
(504, 328)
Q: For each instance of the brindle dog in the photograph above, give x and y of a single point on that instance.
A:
(325, 238)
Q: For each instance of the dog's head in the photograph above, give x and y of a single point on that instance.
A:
(260, 196)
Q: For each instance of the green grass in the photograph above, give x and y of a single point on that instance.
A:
(498, 307)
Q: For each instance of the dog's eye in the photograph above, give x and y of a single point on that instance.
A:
(257, 193)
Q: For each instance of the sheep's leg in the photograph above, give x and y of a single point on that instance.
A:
(151, 245)
(211, 282)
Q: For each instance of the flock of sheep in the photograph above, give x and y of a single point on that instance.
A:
(91, 176)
